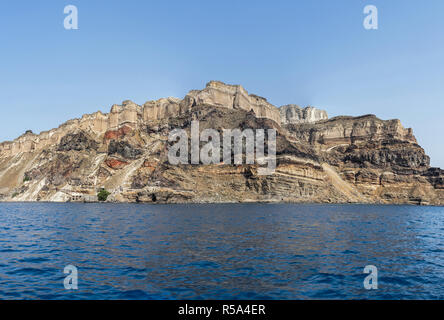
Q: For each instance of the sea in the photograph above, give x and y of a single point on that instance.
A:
(76, 251)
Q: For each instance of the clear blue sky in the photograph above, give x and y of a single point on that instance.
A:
(304, 52)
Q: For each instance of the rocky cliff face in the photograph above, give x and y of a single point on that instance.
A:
(343, 159)
(292, 113)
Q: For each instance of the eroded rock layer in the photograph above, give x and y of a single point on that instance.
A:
(343, 159)
(294, 114)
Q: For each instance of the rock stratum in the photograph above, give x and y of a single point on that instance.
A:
(338, 160)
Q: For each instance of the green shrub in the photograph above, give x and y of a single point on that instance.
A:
(26, 178)
(15, 194)
(103, 195)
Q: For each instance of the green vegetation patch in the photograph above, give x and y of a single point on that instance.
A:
(103, 195)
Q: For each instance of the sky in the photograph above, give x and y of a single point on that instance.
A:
(306, 52)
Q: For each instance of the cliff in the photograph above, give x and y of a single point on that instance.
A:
(343, 159)
(294, 114)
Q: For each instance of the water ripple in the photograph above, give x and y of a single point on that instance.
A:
(244, 251)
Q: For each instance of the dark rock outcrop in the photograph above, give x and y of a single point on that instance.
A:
(77, 142)
(124, 149)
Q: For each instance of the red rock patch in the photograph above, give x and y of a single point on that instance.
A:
(115, 164)
(115, 134)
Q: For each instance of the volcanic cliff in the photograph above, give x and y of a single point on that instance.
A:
(343, 159)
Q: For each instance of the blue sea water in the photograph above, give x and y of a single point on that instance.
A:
(221, 251)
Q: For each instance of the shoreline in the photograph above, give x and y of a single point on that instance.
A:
(225, 203)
